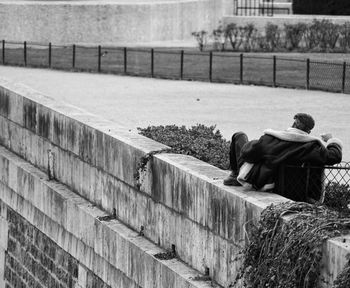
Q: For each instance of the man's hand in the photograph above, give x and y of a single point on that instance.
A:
(326, 136)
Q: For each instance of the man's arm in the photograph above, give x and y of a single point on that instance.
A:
(334, 151)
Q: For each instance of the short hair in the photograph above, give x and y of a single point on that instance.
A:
(304, 122)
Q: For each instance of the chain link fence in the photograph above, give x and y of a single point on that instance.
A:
(224, 67)
(294, 182)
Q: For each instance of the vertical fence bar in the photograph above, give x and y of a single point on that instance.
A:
(50, 50)
(182, 65)
(262, 12)
(73, 57)
(125, 60)
(25, 53)
(152, 62)
(241, 68)
(99, 58)
(3, 52)
(274, 70)
(308, 74)
(211, 66)
(344, 78)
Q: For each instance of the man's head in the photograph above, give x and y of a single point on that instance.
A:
(303, 122)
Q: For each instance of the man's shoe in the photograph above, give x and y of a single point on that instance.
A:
(231, 180)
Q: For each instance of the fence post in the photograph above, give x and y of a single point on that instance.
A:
(344, 77)
(125, 60)
(3, 52)
(73, 58)
(308, 74)
(274, 70)
(152, 62)
(182, 65)
(211, 66)
(99, 58)
(25, 53)
(241, 68)
(50, 54)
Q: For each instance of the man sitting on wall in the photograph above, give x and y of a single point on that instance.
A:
(255, 163)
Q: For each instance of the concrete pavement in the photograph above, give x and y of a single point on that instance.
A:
(139, 102)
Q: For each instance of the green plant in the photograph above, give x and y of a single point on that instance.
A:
(337, 196)
(199, 141)
(232, 32)
(344, 31)
(219, 38)
(249, 36)
(286, 253)
(343, 279)
(273, 36)
(294, 34)
(201, 38)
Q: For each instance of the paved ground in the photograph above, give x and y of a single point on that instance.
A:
(139, 102)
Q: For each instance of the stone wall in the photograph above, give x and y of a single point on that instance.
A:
(108, 22)
(111, 223)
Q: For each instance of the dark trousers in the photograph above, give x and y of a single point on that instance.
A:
(237, 142)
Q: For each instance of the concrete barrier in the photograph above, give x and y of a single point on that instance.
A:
(111, 223)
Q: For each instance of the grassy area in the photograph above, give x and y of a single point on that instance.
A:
(257, 68)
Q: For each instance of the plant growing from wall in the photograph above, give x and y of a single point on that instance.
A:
(287, 253)
(201, 38)
(343, 279)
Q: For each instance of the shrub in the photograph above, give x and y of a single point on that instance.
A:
(294, 34)
(344, 37)
(273, 36)
(219, 38)
(232, 32)
(248, 36)
(337, 197)
(201, 38)
(343, 279)
(288, 253)
(199, 141)
(323, 34)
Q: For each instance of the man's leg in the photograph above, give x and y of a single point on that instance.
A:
(238, 140)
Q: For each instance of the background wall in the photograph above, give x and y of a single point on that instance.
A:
(108, 22)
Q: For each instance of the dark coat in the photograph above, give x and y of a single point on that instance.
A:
(293, 147)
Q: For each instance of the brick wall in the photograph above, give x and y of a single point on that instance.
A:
(33, 260)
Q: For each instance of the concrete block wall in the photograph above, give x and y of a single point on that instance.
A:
(84, 250)
(108, 22)
(3, 241)
(177, 201)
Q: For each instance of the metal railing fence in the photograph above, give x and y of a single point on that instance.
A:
(314, 181)
(257, 8)
(225, 67)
